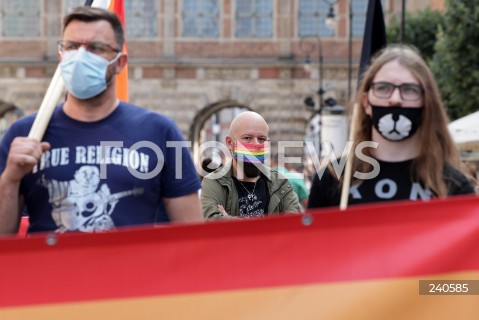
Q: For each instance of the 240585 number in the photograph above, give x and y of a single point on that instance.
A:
(448, 287)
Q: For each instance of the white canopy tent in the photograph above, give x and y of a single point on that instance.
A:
(465, 133)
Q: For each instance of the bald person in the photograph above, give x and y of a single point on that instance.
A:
(246, 187)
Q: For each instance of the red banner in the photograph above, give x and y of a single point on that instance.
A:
(365, 262)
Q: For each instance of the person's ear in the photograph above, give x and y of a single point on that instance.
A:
(229, 143)
(365, 103)
(121, 62)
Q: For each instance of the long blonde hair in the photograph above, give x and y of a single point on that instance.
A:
(436, 147)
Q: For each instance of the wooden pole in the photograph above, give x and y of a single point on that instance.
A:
(349, 163)
(48, 105)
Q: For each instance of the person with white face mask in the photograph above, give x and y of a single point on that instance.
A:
(412, 155)
(104, 163)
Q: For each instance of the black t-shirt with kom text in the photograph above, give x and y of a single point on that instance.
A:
(394, 182)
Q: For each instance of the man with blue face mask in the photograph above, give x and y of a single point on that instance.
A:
(80, 63)
(104, 163)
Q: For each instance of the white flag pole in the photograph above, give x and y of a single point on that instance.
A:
(48, 105)
(343, 205)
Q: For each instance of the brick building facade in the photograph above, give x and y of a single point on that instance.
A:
(194, 78)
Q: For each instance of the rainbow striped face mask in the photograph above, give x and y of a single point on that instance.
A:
(250, 152)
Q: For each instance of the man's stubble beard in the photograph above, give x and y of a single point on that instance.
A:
(250, 170)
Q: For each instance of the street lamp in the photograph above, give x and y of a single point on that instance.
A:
(331, 17)
(308, 48)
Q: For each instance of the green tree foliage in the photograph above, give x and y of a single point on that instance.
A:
(456, 62)
(420, 30)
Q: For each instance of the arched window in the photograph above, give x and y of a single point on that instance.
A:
(8, 114)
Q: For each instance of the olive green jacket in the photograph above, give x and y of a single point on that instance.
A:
(223, 191)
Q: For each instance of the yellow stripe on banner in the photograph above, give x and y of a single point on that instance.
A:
(379, 299)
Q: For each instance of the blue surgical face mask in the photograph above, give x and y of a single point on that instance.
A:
(84, 73)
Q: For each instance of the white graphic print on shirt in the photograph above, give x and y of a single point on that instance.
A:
(82, 204)
(250, 208)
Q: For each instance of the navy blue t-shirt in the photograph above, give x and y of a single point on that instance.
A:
(104, 174)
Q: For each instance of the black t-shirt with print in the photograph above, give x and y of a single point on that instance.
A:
(393, 182)
(253, 198)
